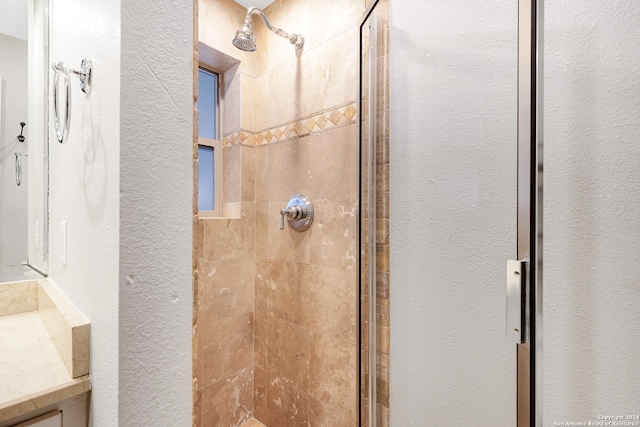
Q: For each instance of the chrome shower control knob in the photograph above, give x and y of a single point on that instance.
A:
(299, 213)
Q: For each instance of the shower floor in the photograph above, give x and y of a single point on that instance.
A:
(253, 423)
(16, 273)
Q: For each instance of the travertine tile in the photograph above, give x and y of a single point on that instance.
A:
(18, 297)
(264, 222)
(287, 244)
(230, 238)
(382, 257)
(249, 102)
(364, 411)
(232, 174)
(330, 300)
(232, 210)
(383, 366)
(382, 340)
(261, 335)
(382, 204)
(200, 240)
(261, 283)
(333, 242)
(285, 286)
(319, 78)
(383, 314)
(318, 22)
(232, 78)
(288, 353)
(69, 329)
(261, 406)
(334, 163)
(263, 173)
(320, 299)
(322, 415)
(227, 347)
(330, 241)
(332, 368)
(382, 177)
(289, 169)
(228, 288)
(382, 392)
(382, 284)
(248, 162)
(253, 423)
(286, 405)
(32, 371)
(382, 150)
(228, 402)
(383, 416)
(382, 231)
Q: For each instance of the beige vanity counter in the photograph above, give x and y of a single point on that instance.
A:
(44, 349)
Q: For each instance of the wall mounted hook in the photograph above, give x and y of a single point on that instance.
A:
(21, 136)
(84, 74)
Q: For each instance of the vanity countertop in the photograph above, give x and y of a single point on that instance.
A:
(33, 373)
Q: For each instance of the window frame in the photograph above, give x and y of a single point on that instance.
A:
(216, 144)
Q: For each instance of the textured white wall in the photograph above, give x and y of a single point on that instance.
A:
(123, 182)
(13, 208)
(453, 211)
(156, 190)
(592, 205)
(84, 187)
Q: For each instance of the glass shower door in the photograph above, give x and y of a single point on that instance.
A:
(438, 213)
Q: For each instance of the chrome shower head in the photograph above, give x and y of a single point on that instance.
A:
(245, 39)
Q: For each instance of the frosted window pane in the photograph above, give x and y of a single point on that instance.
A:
(207, 105)
(205, 178)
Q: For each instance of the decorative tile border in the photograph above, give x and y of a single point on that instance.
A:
(318, 122)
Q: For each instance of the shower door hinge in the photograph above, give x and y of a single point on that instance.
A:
(516, 300)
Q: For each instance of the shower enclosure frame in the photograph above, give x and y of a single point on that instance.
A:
(367, 223)
(529, 212)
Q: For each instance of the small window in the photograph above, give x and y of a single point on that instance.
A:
(209, 147)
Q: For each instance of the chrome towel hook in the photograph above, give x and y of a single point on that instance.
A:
(19, 167)
(84, 74)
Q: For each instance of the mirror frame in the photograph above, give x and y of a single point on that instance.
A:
(39, 36)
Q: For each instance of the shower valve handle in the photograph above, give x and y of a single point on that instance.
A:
(283, 212)
(294, 213)
(299, 213)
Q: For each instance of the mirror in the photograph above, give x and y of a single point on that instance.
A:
(24, 84)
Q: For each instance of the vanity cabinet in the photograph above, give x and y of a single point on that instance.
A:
(52, 419)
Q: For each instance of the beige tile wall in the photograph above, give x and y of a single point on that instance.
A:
(276, 323)
(226, 295)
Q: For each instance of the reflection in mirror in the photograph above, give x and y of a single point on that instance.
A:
(24, 39)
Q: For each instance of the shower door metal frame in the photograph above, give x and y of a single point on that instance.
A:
(371, 391)
(530, 174)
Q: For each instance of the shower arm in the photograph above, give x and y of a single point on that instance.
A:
(295, 39)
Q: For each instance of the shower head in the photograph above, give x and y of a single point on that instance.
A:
(245, 39)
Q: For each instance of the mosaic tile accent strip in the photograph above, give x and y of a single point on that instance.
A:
(318, 122)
